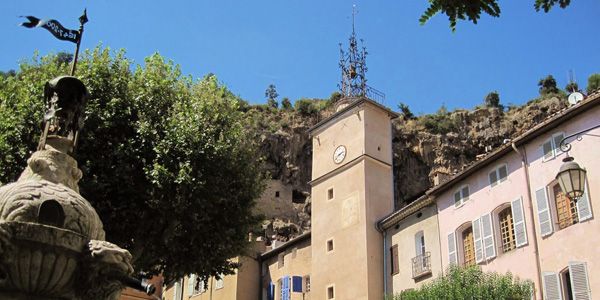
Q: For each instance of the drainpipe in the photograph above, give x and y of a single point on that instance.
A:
(384, 232)
(525, 165)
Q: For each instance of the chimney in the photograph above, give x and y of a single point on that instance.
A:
(440, 177)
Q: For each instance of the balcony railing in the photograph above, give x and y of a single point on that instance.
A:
(421, 265)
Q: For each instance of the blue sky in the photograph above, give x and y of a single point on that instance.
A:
(294, 45)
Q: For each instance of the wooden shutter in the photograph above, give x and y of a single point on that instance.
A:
(551, 284)
(579, 281)
(487, 231)
(452, 259)
(477, 240)
(543, 212)
(519, 222)
(584, 210)
(190, 286)
(394, 258)
(547, 150)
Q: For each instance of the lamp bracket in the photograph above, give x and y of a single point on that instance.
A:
(566, 146)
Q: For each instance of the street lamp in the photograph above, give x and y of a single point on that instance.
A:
(571, 177)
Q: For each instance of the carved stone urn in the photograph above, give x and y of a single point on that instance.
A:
(51, 239)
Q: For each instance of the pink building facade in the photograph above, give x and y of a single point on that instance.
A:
(506, 212)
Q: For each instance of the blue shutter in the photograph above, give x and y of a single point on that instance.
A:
(297, 284)
(285, 288)
(271, 291)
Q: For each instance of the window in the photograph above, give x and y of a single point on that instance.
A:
(468, 247)
(276, 194)
(555, 209)
(280, 260)
(551, 147)
(507, 231)
(195, 285)
(419, 243)
(306, 284)
(330, 194)
(566, 209)
(498, 175)
(219, 283)
(394, 260)
(330, 292)
(571, 283)
(330, 245)
(461, 195)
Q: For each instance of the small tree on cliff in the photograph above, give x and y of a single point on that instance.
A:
(165, 160)
(271, 94)
(493, 100)
(593, 82)
(548, 86)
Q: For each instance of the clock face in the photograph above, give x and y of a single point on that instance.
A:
(339, 154)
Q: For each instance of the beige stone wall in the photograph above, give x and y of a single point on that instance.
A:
(404, 237)
(363, 194)
(281, 207)
(296, 262)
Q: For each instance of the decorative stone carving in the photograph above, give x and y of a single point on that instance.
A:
(51, 239)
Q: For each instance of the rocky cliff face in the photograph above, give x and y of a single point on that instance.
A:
(444, 142)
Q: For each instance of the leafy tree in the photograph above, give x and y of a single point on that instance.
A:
(406, 111)
(64, 58)
(548, 86)
(441, 122)
(286, 104)
(470, 283)
(8, 73)
(593, 82)
(572, 87)
(471, 9)
(335, 97)
(493, 99)
(165, 160)
(271, 94)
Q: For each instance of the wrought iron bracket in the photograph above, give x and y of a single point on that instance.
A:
(566, 146)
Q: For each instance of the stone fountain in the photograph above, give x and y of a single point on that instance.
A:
(52, 243)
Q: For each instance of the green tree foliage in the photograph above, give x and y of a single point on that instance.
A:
(8, 73)
(406, 111)
(470, 283)
(472, 9)
(165, 159)
(335, 97)
(64, 58)
(572, 87)
(548, 86)
(286, 104)
(441, 122)
(310, 107)
(593, 82)
(493, 99)
(271, 94)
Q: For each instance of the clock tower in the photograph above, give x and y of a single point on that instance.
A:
(352, 188)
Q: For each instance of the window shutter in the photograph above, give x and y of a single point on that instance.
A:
(395, 265)
(178, 293)
(271, 291)
(477, 240)
(465, 193)
(556, 139)
(452, 259)
(503, 172)
(579, 280)
(488, 236)
(547, 150)
(297, 284)
(191, 281)
(584, 210)
(493, 178)
(285, 288)
(457, 199)
(543, 212)
(519, 222)
(551, 284)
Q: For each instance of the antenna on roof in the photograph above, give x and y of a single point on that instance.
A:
(575, 95)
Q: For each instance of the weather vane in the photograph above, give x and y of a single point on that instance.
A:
(60, 32)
